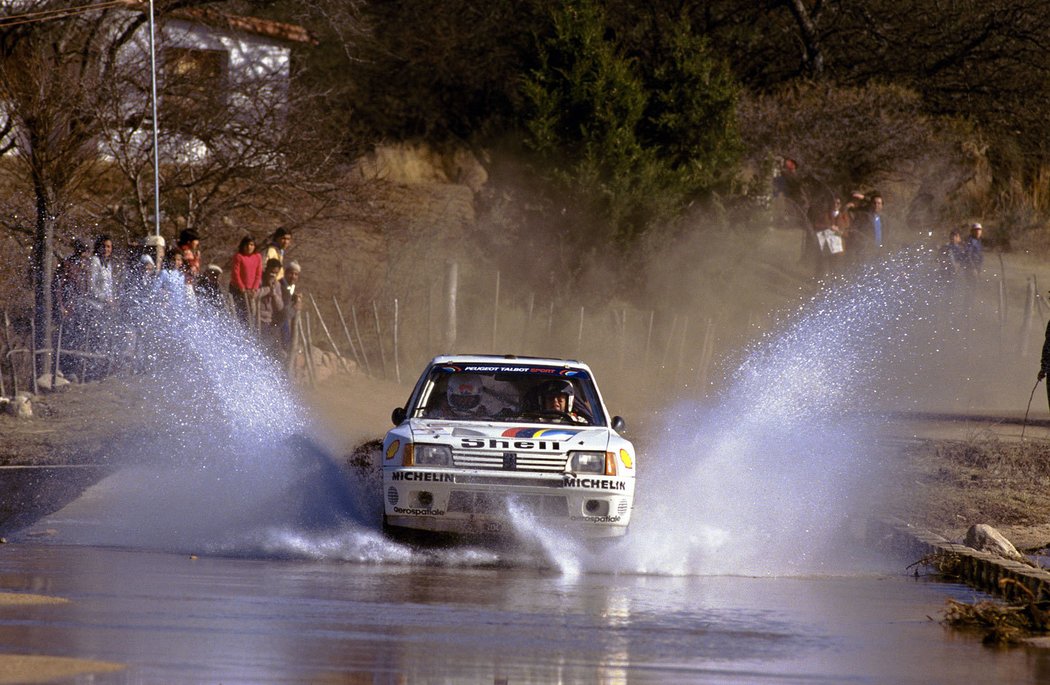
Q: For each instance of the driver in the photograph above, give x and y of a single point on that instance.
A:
(558, 397)
(463, 396)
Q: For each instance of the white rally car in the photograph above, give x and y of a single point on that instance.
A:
(487, 444)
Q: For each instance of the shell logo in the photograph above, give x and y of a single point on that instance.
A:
(625, 457)
(391, 451)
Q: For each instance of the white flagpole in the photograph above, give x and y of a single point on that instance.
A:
(156, 155)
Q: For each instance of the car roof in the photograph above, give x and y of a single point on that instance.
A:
(507, 359)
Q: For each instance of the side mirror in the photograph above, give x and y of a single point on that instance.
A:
(618, 424)
(398, 416)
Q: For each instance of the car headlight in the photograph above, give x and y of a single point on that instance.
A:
(587, 462)
(433, 455)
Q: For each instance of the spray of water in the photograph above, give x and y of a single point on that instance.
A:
(771, 476)
(760, 480)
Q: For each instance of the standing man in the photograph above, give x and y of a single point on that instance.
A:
(975, 250)
(293, 301)
(878, 228)
(278, 245)
(1044, 364)
(974, 262)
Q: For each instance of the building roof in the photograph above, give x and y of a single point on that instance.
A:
(279, 30)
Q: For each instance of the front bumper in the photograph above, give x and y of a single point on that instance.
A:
(486, 503)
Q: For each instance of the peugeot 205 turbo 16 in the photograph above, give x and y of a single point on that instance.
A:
(487, 443)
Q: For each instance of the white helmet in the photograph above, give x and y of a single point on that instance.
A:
(560, 387)
(464, 392)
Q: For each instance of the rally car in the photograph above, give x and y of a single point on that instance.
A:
(488, 444)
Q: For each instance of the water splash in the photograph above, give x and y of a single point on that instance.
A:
(761, 480)
(772, 477)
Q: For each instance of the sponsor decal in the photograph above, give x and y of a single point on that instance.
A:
(531, 370)
(419, 512)
(392, 449)
(497, 444)
(422, 476)
(625, 457)
(562, 433)
(596, 519)
(594, 483)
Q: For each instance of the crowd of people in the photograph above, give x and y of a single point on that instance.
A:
(104, 297)
(836, 233)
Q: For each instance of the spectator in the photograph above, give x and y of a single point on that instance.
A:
(1044, 362)
(100, 302)
(279, 243)
(975, 252)
(71, 294)
(245, 278)
(952, 258)
(293, 300)
(878, 226)
(71, 280)
(271, 309)
(171, 286)
(100, 276)
(788, 195)
(189, 244)
(209, 289)
(870, 230)
(153, 245)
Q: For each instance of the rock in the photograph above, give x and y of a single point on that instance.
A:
(987, 539)
(44, 382)
(20, 406)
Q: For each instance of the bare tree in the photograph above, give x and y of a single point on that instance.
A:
(74, 83)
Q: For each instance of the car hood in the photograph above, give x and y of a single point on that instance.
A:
(502, 436)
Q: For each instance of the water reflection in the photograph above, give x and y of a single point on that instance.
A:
(174, 619)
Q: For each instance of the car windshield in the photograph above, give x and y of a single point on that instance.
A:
(526, 393)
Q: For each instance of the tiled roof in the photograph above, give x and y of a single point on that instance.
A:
(292, 33)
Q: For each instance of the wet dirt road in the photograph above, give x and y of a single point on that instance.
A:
(171, 618)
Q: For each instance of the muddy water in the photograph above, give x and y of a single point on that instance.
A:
(175, 619)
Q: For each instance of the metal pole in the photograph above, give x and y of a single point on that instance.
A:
(156, 146)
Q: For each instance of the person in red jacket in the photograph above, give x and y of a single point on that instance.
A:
(245, 278)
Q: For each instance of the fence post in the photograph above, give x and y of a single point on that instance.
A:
(32, 353)
(495, 317)
(670, 340)
(649, 338)
(528, 320)
(452, 286)
(293, 351)
(10, 347)
(706, 353)
(379, 337)
(579, 336)
(1029, 314)
(360, 340)
(346, 332)
(681, 346)
(58, 354)
(324, 326)
(311, 373)
(397, 366)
